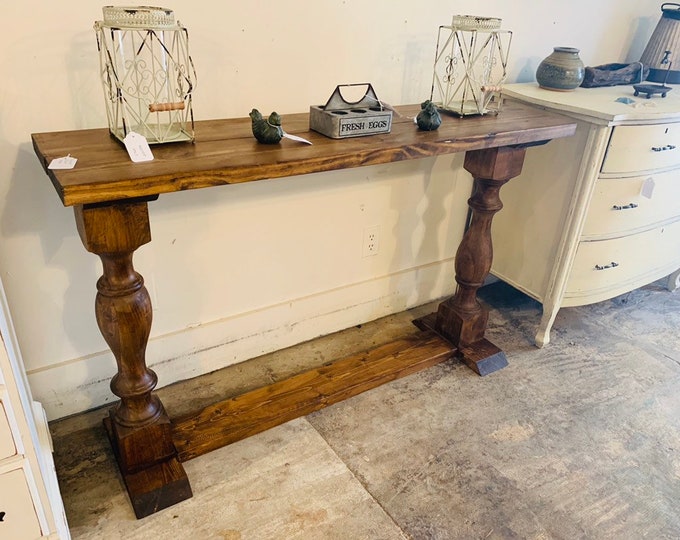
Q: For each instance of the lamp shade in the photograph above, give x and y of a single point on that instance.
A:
(663, 49)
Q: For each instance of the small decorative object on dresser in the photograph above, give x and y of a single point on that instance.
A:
(652, 89)
(596, 215)
(562, 70)
(614, 74)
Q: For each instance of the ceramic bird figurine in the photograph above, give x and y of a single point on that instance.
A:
(267, 131)
(428, 118)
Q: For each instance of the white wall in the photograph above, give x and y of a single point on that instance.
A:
(241, 270)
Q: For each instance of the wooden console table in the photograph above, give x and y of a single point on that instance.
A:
(109, 194)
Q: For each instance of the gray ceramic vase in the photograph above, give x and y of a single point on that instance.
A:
(563, 70)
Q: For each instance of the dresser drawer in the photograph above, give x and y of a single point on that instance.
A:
(610, 264)
(618, 205)
(20, 521)
(642, 148)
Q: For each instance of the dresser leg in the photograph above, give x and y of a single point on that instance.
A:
(462, 319)
(138, 426)
(673, 283)
(547, 319)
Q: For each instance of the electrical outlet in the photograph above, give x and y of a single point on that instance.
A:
(371, 243)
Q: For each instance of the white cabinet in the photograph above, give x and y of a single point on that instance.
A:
(20, 519)
(598, 214)
(30, 502)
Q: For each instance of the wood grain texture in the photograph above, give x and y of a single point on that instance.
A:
(462, 319)
(123, 306)
(225, 152)
(483, 357)
(156, 487)
(255, 411)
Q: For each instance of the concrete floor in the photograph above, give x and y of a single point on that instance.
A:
(580, 439)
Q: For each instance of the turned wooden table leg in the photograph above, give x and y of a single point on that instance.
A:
(462, 319)
(138, 426)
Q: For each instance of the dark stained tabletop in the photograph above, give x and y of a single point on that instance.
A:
(225, 152)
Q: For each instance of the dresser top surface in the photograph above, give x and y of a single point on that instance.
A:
(600, 103)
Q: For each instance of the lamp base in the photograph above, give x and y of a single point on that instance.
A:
(651, 89)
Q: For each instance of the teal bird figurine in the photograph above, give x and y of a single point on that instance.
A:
(267, 131)
(428, 118)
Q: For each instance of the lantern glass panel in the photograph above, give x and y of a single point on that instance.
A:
(147, 74)
(470, 65)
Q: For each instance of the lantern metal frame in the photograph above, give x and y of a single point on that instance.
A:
(147, 73)
(470, 65)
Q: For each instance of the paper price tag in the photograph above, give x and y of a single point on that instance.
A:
(137, 147)
(295, 138)
(648, 188)
(66, 162)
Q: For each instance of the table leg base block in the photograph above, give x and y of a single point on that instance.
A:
(138, 448)
(156, 487)
(483, 357)
(458, 329)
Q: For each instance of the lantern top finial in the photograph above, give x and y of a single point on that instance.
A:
(473, 22)
(138, 17)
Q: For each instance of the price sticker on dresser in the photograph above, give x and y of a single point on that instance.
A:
(648, 188)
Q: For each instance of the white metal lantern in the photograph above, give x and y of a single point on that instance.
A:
(147, 73)
(470, 65)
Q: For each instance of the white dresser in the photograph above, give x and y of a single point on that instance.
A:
(598, 214)
(30, 502)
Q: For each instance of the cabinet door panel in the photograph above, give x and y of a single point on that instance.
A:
(20, 521)
(626, 205)
(642, 148)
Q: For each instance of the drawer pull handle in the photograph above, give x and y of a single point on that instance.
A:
(662, 148)
(625, 206)
(610, 265)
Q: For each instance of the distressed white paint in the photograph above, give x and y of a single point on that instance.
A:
(277, 261)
